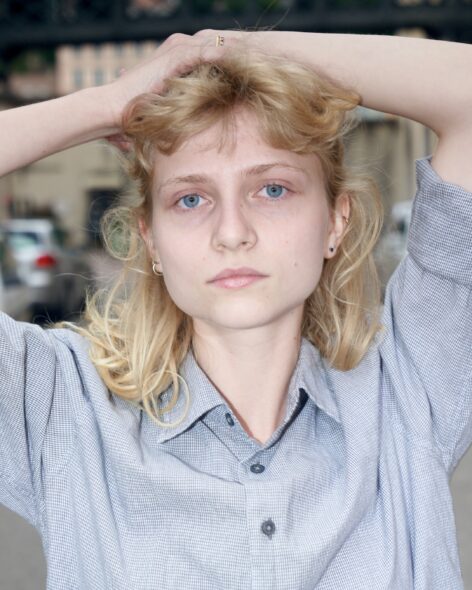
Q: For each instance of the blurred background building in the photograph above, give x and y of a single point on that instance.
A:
(49, 48)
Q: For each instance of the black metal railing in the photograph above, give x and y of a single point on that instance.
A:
(52, 22)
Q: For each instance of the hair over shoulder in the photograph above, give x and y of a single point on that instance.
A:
(138, 336)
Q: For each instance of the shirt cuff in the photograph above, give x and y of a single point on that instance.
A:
(440, 235)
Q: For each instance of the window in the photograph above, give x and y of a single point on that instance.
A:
(78, 79)
(99, 77)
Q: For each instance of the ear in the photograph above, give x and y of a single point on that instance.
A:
(147, 236)
(338, 224)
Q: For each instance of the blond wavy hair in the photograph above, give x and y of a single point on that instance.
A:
(138, 336)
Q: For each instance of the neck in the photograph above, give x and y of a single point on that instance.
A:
(252, 370)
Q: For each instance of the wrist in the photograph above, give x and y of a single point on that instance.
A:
(105, 116)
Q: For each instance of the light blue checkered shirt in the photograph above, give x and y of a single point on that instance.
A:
(351, 491)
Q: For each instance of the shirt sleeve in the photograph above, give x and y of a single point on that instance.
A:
(427, 348)
(33, 408)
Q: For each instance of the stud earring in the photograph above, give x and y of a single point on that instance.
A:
(346, 219)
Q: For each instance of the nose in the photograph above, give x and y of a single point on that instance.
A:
(233, 227)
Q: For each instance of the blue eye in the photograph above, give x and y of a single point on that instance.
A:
(275, 190)
(190, 201)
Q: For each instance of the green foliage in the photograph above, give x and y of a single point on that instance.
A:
(202, 6)
(235, 5)
(268, 4)
(32, 60)
(354, 3)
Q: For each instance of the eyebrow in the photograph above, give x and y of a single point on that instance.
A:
(252, 171)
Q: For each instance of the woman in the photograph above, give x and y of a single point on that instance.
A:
(264, 430)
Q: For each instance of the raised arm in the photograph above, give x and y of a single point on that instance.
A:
(425, 351)
(35, 131)
(421, 79)
(424, 80)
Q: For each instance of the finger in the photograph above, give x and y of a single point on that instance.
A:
(203, 46)
(184, 51)
(215, 44)
(120, 141)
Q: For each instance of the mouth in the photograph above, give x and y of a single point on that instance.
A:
(237, 281)
(229, 273)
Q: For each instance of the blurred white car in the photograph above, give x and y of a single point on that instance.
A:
(391, 247)
(56, 275)
(15, 297)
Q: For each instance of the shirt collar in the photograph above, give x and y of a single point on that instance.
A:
(312, 377)
(309, 374)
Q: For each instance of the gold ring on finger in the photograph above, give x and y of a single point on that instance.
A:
(220, 40)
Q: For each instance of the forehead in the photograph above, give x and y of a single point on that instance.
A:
(238, 144)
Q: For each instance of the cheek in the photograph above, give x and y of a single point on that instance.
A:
(307, 256)
(306, 240)
(168, 242)
(181, 258)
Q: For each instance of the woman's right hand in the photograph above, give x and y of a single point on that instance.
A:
(35, 131)
(177, 54)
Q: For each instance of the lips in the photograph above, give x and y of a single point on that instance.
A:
(237, 272)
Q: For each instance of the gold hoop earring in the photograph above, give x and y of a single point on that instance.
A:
(155, 269)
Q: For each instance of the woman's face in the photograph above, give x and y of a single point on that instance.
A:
(250, 205)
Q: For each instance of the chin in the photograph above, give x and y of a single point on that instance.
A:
(243, 316)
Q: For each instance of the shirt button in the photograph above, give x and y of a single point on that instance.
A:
(257, 468)
(229, 419)
(268, 527)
